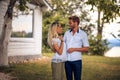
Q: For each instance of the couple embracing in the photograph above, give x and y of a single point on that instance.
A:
(67, 50)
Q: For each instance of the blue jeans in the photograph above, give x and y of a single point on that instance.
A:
(73, 67)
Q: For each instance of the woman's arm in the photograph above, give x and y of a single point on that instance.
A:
(58, 49)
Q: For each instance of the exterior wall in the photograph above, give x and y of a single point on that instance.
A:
(28, 47)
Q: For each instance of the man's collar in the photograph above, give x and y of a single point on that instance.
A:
(77, 30)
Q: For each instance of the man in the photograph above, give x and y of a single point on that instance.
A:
(76, 42)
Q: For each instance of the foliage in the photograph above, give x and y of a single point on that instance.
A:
(67, 7)
(22, 34)
(61, 11)
(88, 28)
(110, 9)
(107, 10)
(48, 18)
(97, 48)
(22, 6)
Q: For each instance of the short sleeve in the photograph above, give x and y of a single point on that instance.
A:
(54, 40)
(85, 40)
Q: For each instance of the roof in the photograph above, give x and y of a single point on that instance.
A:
(42, 3)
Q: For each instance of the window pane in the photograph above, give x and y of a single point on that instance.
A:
(22, 25)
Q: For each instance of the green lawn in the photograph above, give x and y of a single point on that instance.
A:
(94, 68)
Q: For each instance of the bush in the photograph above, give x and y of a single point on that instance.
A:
(46, 49)
(97, 47)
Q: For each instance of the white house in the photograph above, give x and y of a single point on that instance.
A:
(25, 48)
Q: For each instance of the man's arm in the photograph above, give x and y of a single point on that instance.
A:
(83, 49)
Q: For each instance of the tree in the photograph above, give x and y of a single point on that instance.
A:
(62, 9)
(6, 11)
(107, 10)
(5, 29)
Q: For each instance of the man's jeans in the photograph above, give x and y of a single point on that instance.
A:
(73, 67)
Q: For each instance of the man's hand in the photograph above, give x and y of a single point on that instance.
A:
(70, 50)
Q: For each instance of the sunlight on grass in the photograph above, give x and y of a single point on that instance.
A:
(48, 54)
(101, 68)
(94, 68)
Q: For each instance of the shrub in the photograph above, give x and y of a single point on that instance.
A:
(97, 47)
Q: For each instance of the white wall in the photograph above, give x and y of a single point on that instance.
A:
(28, 46)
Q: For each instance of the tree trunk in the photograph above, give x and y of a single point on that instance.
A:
(99, 27)
(5, 29)
(3, 42)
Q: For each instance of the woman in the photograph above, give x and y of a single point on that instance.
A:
(57, 45)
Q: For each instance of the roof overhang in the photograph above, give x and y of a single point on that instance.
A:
(44, 4)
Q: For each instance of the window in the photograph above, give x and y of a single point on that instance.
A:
(22, 24)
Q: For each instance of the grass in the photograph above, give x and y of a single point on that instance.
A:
(94, 68)
(101, 68)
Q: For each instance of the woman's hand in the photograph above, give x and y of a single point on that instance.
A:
(61, 38)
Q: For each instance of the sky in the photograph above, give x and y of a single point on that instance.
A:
(22, 23)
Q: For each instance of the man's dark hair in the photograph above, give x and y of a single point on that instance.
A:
(75, 19)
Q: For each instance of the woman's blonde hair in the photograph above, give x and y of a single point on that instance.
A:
(52, 33)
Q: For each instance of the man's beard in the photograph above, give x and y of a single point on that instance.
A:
(71, 27)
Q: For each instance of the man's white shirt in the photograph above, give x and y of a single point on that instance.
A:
(78, 40)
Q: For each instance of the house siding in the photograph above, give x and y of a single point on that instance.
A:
(28, 48)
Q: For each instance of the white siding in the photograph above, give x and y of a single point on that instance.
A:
(28, 46)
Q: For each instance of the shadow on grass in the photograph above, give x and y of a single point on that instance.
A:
(29, 71)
